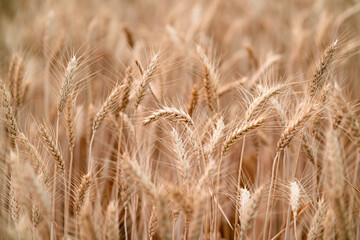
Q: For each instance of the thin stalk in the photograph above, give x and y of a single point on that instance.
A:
(287, 233)
(238, 183)
(53, 204)
(90, 150)
(76, 227)
(125, 225)
(54, 179)
(67, 193)
(270, 192)
(118, 162)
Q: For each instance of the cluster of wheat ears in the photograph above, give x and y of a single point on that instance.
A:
(180, 120)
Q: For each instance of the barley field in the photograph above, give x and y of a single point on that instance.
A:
(177, 120)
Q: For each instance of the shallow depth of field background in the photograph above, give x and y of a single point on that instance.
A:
(201, 119)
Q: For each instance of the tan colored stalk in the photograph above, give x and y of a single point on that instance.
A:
(259, 102)
(69, 116)
(68, 84)
(170, 113)
(35, 216)
(153, 223)
(146, 78)
(109, 104)
(295, 125)
(211, 80)
(11, 70)
(10, 120)
(16, 82)
(52, 147)
(250, 211)
(193, 100)
(239, 132)
(182, 163)
(71, 142)
(15, 208)
(309, 151)
(295, 197)
(322, 68)
(37, 161)
(81, 192)
(317, 228)
(126, 92)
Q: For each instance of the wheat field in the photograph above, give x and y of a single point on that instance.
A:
(171, 120)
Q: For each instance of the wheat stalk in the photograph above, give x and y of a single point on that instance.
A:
(239, 132)
(171, 113)
(52, 147)
(81, 192)
(10, 121)
(317, 229)
(146, 78)
(250, 210)
(68, 84)
(322, 68)
(193, 100)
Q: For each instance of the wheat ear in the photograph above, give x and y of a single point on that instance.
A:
(145, 80)
(250, 211)
(153, 222)
(16, 82)
(81, 192)
(38, 162)
(193, 100)
(52, 147)
(210, 80)
(69, 116)
(296, 124)
(259, 102)
(126, 92)
(35, 215)
(322, 68)
(10, 121)
(109, 103)
(295, 196)
(183, 165)
(174, 114)
(317, 229)
(15, 208)
(68, 84)
(239, 132)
